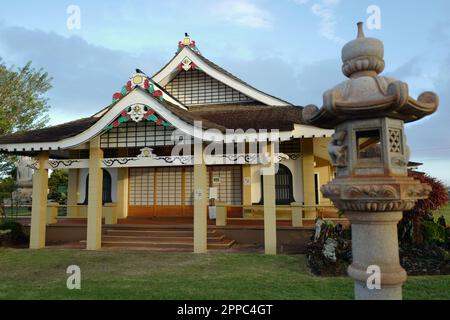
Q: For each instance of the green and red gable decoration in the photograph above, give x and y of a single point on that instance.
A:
(141, 80)
(138, 112)
(186, 64)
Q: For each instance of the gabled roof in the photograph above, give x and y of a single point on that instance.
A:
(50, 134)
(235, 116)
(266, 112)
(171, 69)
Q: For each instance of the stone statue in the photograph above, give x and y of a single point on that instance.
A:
(24, 172)
(337, 149)
(318, 229)
(329, 249)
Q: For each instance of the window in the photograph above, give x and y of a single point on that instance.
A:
(369, 144)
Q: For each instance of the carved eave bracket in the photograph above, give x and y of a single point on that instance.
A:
(347, 101)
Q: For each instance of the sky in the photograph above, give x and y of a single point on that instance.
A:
(288, 48)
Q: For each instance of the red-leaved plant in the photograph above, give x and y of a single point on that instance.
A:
(438, 197)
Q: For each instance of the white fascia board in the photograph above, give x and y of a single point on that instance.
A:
(237, 85)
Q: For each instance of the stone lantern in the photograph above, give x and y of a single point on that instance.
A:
(369, 149)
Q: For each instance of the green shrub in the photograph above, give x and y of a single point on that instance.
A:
(17, 234)
(433, 232)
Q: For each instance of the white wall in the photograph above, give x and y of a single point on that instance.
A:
(82, 184)
(295, 166)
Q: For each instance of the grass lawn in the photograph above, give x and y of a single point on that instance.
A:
(444, 211)
(26, 274)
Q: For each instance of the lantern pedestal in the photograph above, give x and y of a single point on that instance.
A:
(375, 249)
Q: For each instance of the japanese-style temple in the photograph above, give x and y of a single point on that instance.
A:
(189, 144)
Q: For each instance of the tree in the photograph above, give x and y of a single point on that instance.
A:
(7, 187)
(23, 105)
(57, 185)
(437, 198)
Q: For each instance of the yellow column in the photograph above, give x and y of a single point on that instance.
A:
(72, 193)
(200, 200)
(122, 189)
(270, 215)
(309, 194)
(39, 203)
(247, 185)
(94, 215)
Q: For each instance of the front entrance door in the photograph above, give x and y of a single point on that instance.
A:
(160, 192)
(283, 186)
(168, 191)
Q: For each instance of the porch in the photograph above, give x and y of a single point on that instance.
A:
(225, 233)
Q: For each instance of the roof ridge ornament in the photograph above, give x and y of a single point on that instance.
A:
(139, 79)
(187, 42)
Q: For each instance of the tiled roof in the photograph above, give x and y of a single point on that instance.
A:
(50, 134)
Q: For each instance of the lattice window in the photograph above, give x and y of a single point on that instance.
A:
(189, 186)
(228, 180)
(142, 184)
(141, 134)
(196, 87)
(395, 140)
(169, 186)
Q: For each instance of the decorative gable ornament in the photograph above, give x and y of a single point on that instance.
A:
(146, 153)
(186, 65)
(187, 42)
(138, 112)
(138, 79)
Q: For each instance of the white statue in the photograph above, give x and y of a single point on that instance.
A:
(318, 229)
(24, 172)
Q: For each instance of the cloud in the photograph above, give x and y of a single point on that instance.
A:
(299, 86)
(244, 12)
(325, 11)
(84, 75)
(429, 137)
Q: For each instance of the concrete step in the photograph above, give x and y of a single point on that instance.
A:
(162, 245)
(159, 239)
(155, 233)
(163, 238)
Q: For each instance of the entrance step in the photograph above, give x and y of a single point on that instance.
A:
(159, 238)
(162, 238)
(155, 233)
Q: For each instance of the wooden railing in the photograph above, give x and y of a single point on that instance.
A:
(297, 212)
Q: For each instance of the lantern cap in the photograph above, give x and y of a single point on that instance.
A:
(362, 56)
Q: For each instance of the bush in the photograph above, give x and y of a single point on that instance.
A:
(433, 232)
(17, 235)
(438, 196)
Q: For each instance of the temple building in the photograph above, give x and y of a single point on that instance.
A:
(189, 144)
